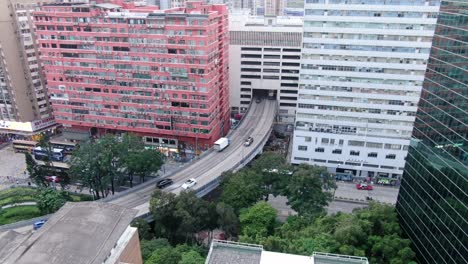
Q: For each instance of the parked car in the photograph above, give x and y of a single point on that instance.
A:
(52, 179)
(364, 186)
(164, 183)
(38, 224)
(248, 141)
(189, 184)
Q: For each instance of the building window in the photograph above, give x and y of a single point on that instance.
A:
(356, 143)
(392, 146)
(302, 148)
(372, 155)
(374, 145)
(319, 150)
(320, 160)
(325, 140)
(354, 153)
(337, 151)
(307, 139)
(302, 159)
(336, 162)
(390, 156)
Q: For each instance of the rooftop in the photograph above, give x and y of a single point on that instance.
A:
(83, 232)
(224, 252)
(245, 22)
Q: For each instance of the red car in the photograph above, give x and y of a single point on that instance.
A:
(363, 186)
(52, 179)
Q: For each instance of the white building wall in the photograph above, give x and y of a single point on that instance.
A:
(362, 68)
(264, 61)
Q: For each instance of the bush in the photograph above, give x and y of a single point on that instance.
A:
(18, 213)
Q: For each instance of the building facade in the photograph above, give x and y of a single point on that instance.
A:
(264, 62)
(161, 74)
(274, 7)
(361, 76)
(432, 200)
(23, 94)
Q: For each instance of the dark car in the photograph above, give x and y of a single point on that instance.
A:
(164, 183)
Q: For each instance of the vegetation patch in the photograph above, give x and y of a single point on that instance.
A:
(48, 201)
(18, 213)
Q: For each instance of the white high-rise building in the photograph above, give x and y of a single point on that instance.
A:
(362, 69)
(264, 61)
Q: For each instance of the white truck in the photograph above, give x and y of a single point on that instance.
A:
(221, 144)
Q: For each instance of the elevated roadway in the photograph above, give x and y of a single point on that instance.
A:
(257, 124)
(206, 170)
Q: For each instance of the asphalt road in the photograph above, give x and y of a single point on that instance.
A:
(257, 124)
(384, 194)
(341, 206)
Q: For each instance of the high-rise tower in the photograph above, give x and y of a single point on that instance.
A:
(160, 73)
(362, 69)
(23, 95)
(432, 203)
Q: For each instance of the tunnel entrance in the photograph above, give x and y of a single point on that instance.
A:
(263, 94)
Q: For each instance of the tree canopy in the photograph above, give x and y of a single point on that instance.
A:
(257, 222)
(372, 232)
(50, 200)
(306, 187)
(110, 161)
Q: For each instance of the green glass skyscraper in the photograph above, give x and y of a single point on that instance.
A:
(433, 201)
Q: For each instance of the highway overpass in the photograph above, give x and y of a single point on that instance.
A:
(257, 123)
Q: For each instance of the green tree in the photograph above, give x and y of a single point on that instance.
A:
(257, 222)
(149, 246)
(142, 162)
(106, 162)
(36, 173)
(192, 257)
(90, 164)
(242, 189)
(50, 200)
(275, 172)
(305, 190)
(227, 219)
(390, 249)
(162, 207)
(165, 255)
(144, 229)
(193, 215)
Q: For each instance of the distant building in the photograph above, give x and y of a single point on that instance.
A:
(85, 232)
(264, 60)
(274, 7)
(222, 252)
(23, 92)
(432, 202)
(162, 74)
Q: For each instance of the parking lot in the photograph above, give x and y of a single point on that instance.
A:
(384, 194)
(12, 167)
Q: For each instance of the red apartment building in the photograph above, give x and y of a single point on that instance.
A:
(113, 67)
